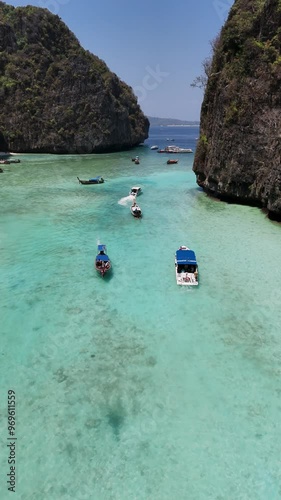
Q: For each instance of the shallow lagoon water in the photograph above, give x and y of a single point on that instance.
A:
(132, 387)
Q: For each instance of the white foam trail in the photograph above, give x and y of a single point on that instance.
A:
(127, 199)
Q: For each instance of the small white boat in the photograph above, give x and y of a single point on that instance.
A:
(135, 191)
(136, 210)
(186, 266)
(154, 147)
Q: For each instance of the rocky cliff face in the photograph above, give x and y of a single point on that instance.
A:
(239, 148)
(56, 97)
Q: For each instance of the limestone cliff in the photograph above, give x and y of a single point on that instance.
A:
(239, 149)
(55, 96)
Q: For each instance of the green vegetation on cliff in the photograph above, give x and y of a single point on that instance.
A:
(57, 97)
(238, 153)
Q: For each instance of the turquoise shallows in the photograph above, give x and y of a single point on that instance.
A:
(131, 387)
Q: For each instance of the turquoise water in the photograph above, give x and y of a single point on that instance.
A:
(132, 387)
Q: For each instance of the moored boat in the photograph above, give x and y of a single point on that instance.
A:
(136, 210)
(172, 162)
(95, 180)
(175, 149)
(154, 147)
(102, 261)
(186, 266)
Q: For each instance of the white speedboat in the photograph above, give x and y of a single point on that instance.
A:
(135, 191)
(186, 266)
(154, 147)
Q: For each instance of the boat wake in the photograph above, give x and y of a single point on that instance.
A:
(126, 200)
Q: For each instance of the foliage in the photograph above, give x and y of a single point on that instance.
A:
(231, 113)
(52, 90)
(201, 80)
(203, 139)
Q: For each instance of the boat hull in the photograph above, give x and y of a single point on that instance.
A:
(104, 270)
(186, 279)
(100, 181)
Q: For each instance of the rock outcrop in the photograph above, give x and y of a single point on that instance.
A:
(238, 156)
(56, 97)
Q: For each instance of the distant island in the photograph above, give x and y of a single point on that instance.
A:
(171, 122)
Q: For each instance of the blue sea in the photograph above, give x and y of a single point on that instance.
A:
(131, 387)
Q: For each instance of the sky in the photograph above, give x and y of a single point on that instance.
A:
(155, 46)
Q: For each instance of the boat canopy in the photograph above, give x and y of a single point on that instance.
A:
(104, 257)
(101, 248)
(185, 257)
(95, 178)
